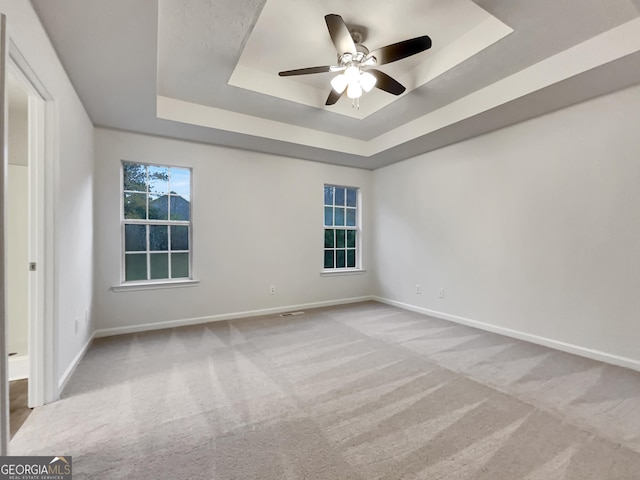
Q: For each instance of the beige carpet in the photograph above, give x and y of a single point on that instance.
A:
(364, 391)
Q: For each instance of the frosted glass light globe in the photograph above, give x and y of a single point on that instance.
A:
(367, 81)
(352, 73)
(339, 83)
(354, 90)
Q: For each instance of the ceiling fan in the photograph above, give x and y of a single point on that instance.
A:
(355, 62)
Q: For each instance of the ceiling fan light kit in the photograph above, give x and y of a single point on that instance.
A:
(355, 81)
(355, 60)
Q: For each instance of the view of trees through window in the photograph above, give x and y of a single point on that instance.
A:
(340, 227)
(156, 221)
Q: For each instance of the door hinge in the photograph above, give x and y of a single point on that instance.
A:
(32, 266)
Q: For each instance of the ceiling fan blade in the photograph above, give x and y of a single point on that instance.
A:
(306, 71)
(400, 50)
(387, 83)
(340, 35)
(333, 97)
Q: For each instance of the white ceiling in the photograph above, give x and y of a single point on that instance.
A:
(206, 70)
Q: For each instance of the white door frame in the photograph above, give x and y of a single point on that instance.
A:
(42, 181)
(4, 161)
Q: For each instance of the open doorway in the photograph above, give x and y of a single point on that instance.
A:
(33, 156)
(30, 192)
(19, 238)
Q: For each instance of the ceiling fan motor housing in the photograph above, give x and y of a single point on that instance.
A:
(347, 59)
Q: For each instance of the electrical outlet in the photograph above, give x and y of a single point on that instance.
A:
(441, 293)
(272, 290)
(418, 289)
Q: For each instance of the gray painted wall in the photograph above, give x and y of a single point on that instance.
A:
(72, 170)
(17, 218)
(531, 229)
(257, 221)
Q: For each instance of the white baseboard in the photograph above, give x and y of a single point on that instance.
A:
(74, 363)
(547, 342)
(18, 367)
(106, 332)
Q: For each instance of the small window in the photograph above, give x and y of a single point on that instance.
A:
(156, 222)
(341, 229)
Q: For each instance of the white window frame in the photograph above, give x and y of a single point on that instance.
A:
(159, 282)
(357, 228)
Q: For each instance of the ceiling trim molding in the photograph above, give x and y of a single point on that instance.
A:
(202, 115)
(602, 49)
(599, 50)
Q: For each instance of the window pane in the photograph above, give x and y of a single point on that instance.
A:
(351, 217)
(135, 238)
(180, 182)
(135, 206)
(159, 263)
(134, 177)
(328, 216)
(328, 195)
(179, 265)
(158, 207)
(328, 238)
(135, 266)
(351, 258)
(340, 212)
(158, 237)
(352, 196)
(328, 259)
(156, 194)
(159, 180)
(351, 239)
(180, 208)
(179, 237)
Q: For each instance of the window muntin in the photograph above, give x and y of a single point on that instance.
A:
(341, 230)
(156, 222)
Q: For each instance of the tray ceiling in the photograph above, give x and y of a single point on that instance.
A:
(206, 70)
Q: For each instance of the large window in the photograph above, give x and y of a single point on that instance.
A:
(156, 222)
(341, 228)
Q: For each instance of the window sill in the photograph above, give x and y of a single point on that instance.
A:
(337, 272)
(132, 287)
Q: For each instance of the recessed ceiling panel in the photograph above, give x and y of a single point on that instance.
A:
(291, 34)
(165, 69)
